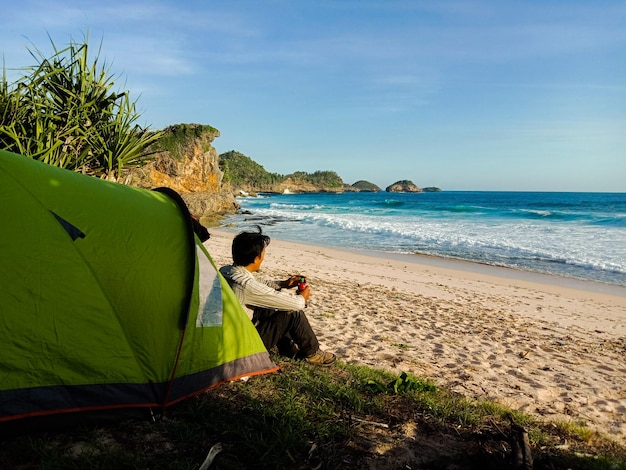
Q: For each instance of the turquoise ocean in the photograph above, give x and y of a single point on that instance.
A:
(574, 235)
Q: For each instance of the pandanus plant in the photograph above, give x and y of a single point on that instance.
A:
(64, 111)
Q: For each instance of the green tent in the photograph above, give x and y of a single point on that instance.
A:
(108, 300)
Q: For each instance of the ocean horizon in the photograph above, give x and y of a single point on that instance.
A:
(570, 234)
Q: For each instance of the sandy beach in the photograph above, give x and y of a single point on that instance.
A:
(546, 346)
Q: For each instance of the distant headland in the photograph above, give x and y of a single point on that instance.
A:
(184, 160)
(250, 177)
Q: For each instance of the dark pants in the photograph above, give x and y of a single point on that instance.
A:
(280, 327)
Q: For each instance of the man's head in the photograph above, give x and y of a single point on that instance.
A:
(247, 246)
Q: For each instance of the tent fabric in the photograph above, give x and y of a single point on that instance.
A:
(108, 299)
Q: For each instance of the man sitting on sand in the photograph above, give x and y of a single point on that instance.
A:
(277, 315)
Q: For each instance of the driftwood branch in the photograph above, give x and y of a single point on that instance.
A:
(216, 449)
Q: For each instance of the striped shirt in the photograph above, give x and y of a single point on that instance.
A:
(253, 292)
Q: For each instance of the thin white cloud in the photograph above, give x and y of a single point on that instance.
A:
(150, 55)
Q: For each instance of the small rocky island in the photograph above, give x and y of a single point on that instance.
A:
(403, 186)
(363, 186)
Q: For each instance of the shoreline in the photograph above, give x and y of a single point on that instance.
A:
(496, 271)
(550, 350)
(476, 267)
(558, 236)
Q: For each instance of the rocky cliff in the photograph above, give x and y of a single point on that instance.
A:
(185, 161)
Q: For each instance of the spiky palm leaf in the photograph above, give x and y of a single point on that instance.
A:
(65, 112)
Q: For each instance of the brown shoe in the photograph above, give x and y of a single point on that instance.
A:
(321, 358)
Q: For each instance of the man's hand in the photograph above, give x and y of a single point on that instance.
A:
(306, 293)
(291, 282)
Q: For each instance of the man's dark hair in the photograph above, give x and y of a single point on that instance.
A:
(247, 246)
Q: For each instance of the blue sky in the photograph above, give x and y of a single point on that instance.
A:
(463, 95)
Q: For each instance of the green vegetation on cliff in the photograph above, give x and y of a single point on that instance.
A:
(243, 172)
(240, 170)
(363, 185)
(178, 138)
(321, 179)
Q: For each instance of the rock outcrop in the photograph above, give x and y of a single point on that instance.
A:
(365, 186)
(185, 161)
(403, 186)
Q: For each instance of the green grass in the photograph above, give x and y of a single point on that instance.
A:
(344, 416)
